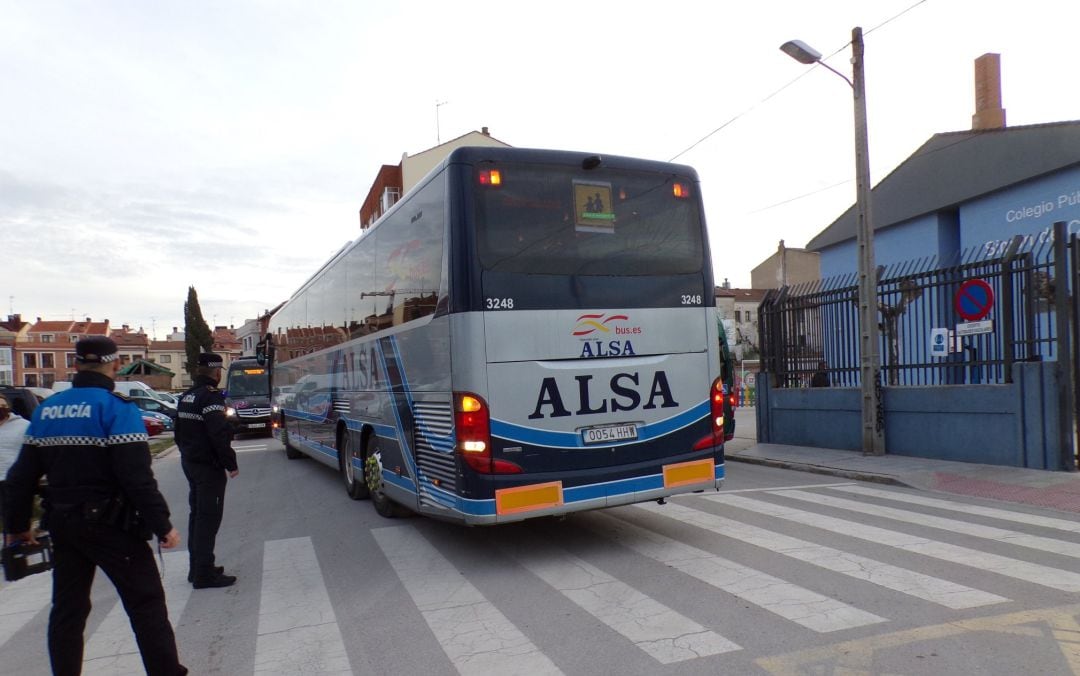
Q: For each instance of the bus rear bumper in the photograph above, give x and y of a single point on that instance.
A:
(552, 499)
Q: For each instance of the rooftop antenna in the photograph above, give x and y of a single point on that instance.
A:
(438, 135)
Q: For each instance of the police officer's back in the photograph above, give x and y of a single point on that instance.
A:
(203, 436)
(101, 505)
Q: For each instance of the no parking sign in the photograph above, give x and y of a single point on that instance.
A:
(974, 300)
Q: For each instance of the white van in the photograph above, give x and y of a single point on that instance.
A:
(137, 390)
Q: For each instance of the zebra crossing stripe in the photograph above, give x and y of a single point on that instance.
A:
(925, 587)
(298, 631)
(659, 631)
(20, 601)
(1011, 537)
(1068, 525)
(1055, 578)
(476, 637)
(802, 606)
(112, 648)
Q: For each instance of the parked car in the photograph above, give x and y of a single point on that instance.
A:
(163, 418)
(23, 401)
(153, 425)
(155, 406)
(166, 397)
(42, 393)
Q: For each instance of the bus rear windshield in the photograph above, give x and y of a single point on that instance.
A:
(548, 220)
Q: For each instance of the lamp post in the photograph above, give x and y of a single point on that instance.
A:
(873, 412)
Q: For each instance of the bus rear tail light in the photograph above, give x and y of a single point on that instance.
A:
(680, 190)
(492, 177)
(472, 425)
(716, 418)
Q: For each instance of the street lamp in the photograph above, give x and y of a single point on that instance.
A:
(873, 412)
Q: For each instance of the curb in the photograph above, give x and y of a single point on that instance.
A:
(821, 469)
(167, 452)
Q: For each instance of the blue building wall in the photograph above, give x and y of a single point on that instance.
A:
(990, 221)
(1029, 208)
(1014, 425)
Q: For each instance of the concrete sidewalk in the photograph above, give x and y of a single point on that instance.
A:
(1054, 490)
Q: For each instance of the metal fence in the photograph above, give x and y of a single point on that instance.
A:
(815, 327)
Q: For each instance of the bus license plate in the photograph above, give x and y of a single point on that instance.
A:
(603, 435)
(255, 425)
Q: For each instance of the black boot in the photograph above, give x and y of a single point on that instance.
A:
(218, 570)
(211, 578)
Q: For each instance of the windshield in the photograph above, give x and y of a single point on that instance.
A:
(541, 219)
(249, 383)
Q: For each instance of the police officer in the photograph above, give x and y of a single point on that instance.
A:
(206, 454)
(101, 505)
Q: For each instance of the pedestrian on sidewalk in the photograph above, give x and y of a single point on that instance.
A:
(208, 459)
(12, 430)
(821, 375)
(101, 506)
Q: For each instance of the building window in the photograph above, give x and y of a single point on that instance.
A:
(70, 356)
(74, 339)
(47, 360)
(29, 360)
(166, 358)
(47, 337)
(47, 379)
(6, 379)
(5, 356)
(30, 380)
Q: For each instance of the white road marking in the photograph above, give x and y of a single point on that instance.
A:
(1055, 578)
(925, 587)
(973, 529)
(802, 606)
(1069, 525)
(659, 631)
(774, 488)
(298, 630)
(21, 600)
(476, 637)
(112, 648)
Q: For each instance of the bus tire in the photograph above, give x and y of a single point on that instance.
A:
(384, 506)
(355, 486)
(290, 451)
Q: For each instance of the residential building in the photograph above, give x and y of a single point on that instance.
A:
(46, 354)
(131, 345)
(393, 181)
(737, 308)
(226, 344)
(172, 355)
(787, 267)
(253, 331)
(12, 330)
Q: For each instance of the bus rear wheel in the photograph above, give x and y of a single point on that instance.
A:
(373, 469)
(290, 451)
(355, 486)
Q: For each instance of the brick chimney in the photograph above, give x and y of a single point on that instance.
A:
(988, 111)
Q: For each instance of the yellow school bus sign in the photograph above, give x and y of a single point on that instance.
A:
(593, 208)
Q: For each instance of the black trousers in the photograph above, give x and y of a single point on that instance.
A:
(206, 499)
(79, 548)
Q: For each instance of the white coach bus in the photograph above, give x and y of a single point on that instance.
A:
(525, 333)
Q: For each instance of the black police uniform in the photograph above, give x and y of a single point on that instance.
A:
(203, 436)
(101, 506)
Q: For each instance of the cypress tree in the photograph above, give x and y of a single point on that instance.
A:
(197, 335)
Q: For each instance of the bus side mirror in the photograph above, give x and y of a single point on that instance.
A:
(264, 350)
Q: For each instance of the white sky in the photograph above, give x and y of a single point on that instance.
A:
(149, 146)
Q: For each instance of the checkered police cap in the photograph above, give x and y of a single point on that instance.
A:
(95, 350)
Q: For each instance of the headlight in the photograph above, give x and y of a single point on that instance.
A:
(230, 412)
(275, 409)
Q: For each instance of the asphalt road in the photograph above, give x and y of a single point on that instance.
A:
(779, 573)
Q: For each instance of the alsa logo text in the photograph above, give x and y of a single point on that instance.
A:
(596, 330)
